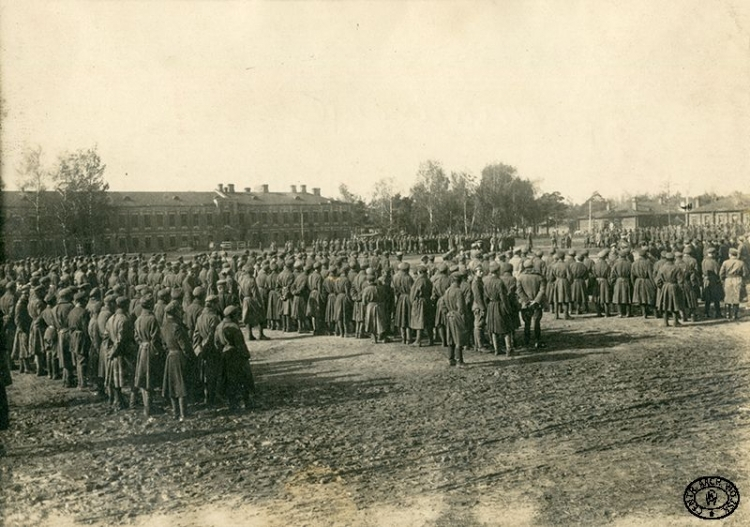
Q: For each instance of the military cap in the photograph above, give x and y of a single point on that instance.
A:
(221, 282)
(733, 252)
(49, 298)
(122, 301)
(172, 308)
(443, 267)
(669, 256)
(80, 296)
(230, 310)
(527, 264)
(66, 293)
(147, 302)
(494, 267)
(198, 291)
(176, 294)
(211, 298)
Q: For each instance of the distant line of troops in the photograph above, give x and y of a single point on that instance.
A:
(148, 326)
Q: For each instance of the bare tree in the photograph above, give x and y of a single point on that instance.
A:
(33, 180)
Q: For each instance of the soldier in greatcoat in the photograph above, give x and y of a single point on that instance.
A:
(237, 379)
(176, 380)
(78, 328)
(531, 297)
(713, 292)
(150, 358)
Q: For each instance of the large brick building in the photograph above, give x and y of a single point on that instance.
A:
(167, 221)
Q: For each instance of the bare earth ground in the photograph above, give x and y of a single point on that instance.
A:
(605, 427)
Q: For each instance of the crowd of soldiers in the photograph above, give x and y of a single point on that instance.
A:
(174, 331)
(410, 244)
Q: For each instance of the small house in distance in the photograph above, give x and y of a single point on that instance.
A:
(732, 209)
(637, 213)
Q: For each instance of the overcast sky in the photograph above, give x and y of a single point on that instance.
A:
(618, 97)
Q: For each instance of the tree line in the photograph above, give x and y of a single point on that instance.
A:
(68, 199)
(457, 202)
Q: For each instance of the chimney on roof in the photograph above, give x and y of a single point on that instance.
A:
(247, 190)
(264, 188)
(303, 189)
(220, 187)
(230, 187)
(294, 189)
(316, 191)
(608, 205)
(634, 204)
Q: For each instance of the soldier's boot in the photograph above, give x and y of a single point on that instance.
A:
(736, 312)
(460, 356)
(607, 310)
(250, 335)
(645, 310)
(717, 308)
(80, 375)
(408, 335)
(133, 401)
(478, 340)
(175, 409)
(692, 316)
(567, 312)
(119, 399)
(403, 335)
(495, 344)
(418, 340)
(557, 311)
(65, 377)
(707, 310)
(261, 334)
(677, 320)
(538, 337)
(599, 310)
(629, 311)
(146, 403)
(441, 333)
(183, 407)
(666, 319)
(509, 345)
(526, 337)
(452, 356)
(39, 363)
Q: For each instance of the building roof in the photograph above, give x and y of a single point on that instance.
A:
(734, 203)
(643, 208)
(136, 199)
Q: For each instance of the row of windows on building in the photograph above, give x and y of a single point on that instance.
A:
(148, 243)
(135, 220)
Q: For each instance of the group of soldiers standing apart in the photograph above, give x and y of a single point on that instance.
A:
(174, 330)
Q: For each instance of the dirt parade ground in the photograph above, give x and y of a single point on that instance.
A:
(607, 426)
